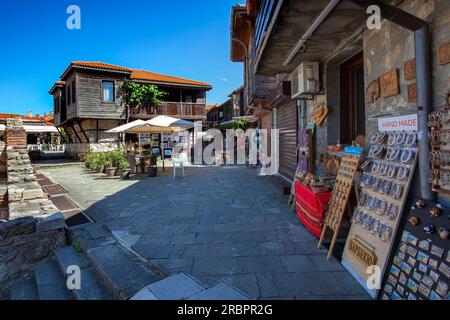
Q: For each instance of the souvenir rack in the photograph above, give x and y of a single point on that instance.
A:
(387, 178)
(340, 196)
(439, 136)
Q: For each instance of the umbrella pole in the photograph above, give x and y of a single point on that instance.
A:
(162, 151)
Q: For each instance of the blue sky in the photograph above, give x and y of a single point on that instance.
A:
(186, 38)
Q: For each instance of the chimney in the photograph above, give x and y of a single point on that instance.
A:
(30, 113)
(45, 114)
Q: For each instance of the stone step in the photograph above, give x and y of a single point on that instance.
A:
(25, 289)
(51, 283)
(177, 287)
(91, 287)
(221, 291)
(123, 273)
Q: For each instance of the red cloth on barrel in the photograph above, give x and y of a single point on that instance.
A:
(311, 207)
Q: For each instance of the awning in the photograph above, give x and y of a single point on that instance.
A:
(34, 129)
(125, 127)
(249, 119)
(158, 124)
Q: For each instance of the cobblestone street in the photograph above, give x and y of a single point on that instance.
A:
(217, 223)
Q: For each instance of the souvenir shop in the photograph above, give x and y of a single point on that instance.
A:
(373, 177)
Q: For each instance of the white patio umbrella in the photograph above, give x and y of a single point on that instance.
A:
(160, 125)
(123, 128)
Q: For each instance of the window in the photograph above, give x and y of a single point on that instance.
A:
(74, 91)
(69, 95)
(56, 103)
(108, 91)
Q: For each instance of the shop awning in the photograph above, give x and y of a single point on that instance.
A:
(34, 129)
(125, 127)
(158, 124)
(249, 119)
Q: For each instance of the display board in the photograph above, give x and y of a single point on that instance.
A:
(420, 268)
(439, 135)
(386, 181)
(340, 195)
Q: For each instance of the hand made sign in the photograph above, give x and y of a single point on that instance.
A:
(401, 123)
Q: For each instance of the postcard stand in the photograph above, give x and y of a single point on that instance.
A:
(340, 195)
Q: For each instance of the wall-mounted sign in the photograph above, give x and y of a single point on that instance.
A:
(401, 123)
(389, 84)
(444, 53)
(412, 92)
(362, 253)
(410, 69)
(373, 91)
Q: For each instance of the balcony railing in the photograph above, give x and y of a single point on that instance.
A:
(175, 109)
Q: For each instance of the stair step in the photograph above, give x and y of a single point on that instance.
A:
(91, 286)
(25, 289)
(176, 287)
(221, 291)
(120, 270)
(51, 283)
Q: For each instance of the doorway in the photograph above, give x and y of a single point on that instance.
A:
(352, 101)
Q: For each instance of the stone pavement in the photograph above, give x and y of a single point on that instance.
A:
(216, 224)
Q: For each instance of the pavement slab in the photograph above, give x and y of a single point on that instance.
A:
(219, 224)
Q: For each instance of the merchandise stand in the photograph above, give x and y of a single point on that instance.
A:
(386, 183)
(440, 150)
(340, 196)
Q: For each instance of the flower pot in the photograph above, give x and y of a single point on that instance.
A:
(110, 172)
(152, 171)
(100, 169)
(118, 172)
(125, 173)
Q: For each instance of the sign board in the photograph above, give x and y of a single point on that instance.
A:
(401, 123)
(362, 253)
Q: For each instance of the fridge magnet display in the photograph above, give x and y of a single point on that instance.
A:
(385, 188)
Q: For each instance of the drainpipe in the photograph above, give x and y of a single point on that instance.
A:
(423, 71)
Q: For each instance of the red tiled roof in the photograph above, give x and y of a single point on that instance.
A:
(45, 120)
(100, 65)
(139, 74)
(156, 77)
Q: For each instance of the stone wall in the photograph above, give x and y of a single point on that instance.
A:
(73, 150)
(25, 195)
(385, 50)
(25, 242)
(35, 228)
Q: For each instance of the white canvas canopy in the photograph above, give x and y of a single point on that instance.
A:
(34, 129)
(159, 124)
(127, 126)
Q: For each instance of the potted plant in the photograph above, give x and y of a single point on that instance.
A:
(153, 169)
(109, 164)
(100, 162)
(124, 169)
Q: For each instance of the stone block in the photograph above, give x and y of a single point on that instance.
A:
(16, 227)
(32, 194)
(52, 222)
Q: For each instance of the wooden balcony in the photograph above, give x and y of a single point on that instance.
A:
(184, 110)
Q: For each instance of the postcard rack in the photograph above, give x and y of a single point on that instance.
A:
(340, 195)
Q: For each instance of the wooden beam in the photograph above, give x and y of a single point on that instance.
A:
(74, 131)
(62, 136)
(82, 130)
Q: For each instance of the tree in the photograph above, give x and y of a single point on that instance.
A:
(137, 95)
